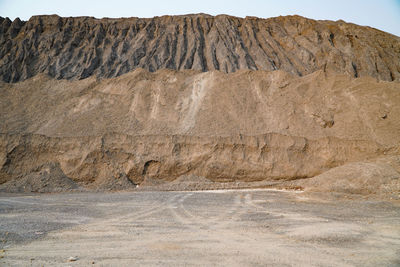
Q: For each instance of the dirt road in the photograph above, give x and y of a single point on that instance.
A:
(237, 228)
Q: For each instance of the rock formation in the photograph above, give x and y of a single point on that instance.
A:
(76, 48)
(215, 99)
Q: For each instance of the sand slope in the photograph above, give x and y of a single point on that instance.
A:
(247, 126)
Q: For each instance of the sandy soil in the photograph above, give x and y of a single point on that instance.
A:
(238, 228)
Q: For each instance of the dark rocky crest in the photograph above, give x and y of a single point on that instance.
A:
(79, 47)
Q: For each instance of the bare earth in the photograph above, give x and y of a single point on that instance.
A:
(236, 227)
(112, 104)
(197, 102)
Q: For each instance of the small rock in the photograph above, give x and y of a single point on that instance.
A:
(73, 258)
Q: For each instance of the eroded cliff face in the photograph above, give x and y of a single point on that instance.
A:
(116, 103)
(165, 158)
(80, 47)
(152, 128)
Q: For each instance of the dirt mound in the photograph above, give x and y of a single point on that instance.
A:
(46, 178)
(116, 183)
(357, 178)
(80, 47)
(380, 177)
(204, 103)
(149, 129)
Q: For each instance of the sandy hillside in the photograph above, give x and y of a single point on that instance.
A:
(329, 109)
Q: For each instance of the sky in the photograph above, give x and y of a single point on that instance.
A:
(380, 14)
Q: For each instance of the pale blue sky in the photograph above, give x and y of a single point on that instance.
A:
(381, 14)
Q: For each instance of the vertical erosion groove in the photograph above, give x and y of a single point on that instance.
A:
(184, 47)
(202, 45)
(214, 58)
(171, 63)
(354, 69)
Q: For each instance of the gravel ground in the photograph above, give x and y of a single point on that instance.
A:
(222, 227)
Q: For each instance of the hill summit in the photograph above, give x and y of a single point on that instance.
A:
(79, 47)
